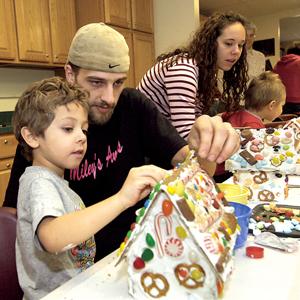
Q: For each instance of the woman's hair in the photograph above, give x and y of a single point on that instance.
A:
(203, 49)
(263, 89)
(35, 108)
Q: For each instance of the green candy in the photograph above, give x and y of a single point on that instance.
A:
(142, 211)
(149, 240)
(157, 187)
(147, 255)
(129, 234)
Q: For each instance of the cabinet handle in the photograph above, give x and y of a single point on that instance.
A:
(8, 165)
(5, 142)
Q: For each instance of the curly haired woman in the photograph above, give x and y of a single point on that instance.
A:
(184, 83)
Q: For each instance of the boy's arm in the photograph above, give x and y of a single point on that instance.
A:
(64, 232)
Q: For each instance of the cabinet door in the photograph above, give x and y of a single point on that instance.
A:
(4, 178)
(118, 12)
(89, 11)
(8, 41)
(63, 28)
(130, 82)
(142, 15)
(143, 51)
(8, 145)
(32, 18)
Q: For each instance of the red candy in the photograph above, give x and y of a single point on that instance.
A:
(138, 263)
(167, 207)
(183, 273)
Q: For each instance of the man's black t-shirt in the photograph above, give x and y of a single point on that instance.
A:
(136, 131)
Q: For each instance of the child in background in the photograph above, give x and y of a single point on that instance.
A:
(264, 100)
(54, 229)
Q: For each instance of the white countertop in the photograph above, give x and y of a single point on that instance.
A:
(273, 277)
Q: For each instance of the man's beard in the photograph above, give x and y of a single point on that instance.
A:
(98, 118)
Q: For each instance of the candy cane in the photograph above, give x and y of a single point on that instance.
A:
(158, 231)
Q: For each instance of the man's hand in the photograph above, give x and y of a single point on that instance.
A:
(213, 139)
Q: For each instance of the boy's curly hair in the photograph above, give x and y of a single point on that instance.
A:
(203, 48)
(35, 108)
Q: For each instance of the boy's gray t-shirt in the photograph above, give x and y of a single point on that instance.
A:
(42, 193)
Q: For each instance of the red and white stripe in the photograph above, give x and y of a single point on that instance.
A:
(160, 233)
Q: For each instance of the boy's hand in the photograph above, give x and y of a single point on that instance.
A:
(213, 139)
(139, 183)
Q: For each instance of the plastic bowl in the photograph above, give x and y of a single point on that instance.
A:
(242, 213)
(234, 192)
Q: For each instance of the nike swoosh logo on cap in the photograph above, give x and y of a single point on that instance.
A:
(113, 66)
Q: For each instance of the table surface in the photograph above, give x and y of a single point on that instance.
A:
(275, 276)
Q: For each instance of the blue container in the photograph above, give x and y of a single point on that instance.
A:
(242, 212)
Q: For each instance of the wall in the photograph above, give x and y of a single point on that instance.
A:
(174, 23)
(268, 27)
(13, 81)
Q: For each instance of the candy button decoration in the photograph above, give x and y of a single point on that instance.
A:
(167, 207)
(147, 255)
(128, 235)
(138, 263)
(132, 226)
(147, 203)
(174, 247)
(193, 256)
(150, 240)
(181, 233)
(171, 190)
(197, 275)
(179, 188)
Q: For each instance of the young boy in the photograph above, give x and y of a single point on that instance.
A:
(54, 229)
(264, 100)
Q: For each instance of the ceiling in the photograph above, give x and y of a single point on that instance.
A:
(289, 27)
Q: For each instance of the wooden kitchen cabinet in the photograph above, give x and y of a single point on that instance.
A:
(143, 49)
(117, 12)
(89, 11)
(36, 32)
(32, 19)
(62, 27)
(8, 41)
(113, 12)
(133, 19)
(8, 145)
(142, 15)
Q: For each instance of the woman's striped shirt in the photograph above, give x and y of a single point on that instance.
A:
(174, 90)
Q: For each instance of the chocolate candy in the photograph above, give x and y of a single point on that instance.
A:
(185, 210)
(250, 159)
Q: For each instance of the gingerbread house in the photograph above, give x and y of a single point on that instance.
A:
(182, 242)
(265, 159)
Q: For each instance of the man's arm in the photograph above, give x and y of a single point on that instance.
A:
(18, 168)
(213, 139)
(208, 166)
